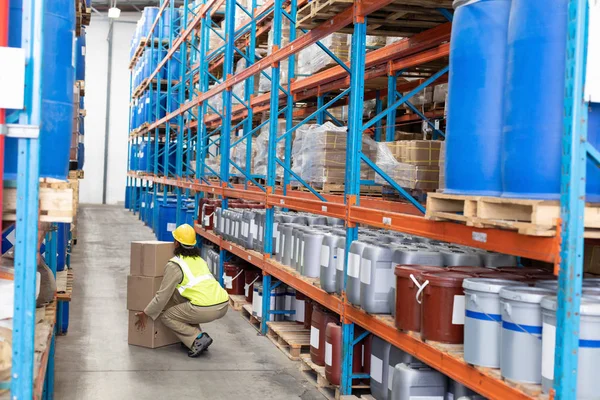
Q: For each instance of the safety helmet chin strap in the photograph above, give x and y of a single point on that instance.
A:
(185, 246)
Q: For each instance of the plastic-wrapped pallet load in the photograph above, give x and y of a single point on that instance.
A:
(215, 104)
(313, 59)
(442, 165)
(238, 154)
(215, 39)
(214, 163)
(375, 42)
(239, 90)
(261, 158)
(341, 113)
(264, 82)
(323, 154)
(413, 164)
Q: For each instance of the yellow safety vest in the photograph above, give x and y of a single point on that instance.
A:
(199, 286)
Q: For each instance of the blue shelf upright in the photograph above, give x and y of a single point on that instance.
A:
(576, 151)
(28, 173)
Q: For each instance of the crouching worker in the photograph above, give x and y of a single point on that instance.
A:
(189, 295)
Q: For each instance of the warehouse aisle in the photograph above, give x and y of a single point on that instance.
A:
(94, 360)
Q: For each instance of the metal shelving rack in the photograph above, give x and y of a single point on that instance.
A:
(197, 129)
(32, 374)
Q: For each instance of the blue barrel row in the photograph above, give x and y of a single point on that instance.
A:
(58, 76)
(168, 21)
(149, 62)
(142, 157)
(505, 105)
(167, 213)
(143, 109)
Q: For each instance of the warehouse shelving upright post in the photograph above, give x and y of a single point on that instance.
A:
(28, 174)
(576, 151)
(352, 181)
(271, 163)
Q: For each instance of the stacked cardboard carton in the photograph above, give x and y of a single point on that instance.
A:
(414, 164)
(148, 260)
(319, 154)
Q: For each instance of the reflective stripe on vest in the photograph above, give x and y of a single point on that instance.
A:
(192, 280)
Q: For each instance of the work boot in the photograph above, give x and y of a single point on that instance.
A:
(200, 344)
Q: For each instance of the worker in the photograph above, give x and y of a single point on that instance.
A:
(189, 295)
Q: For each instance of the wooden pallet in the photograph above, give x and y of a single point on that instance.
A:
(252, 319)
(316, 375)
(81, 86)
(138, 53)
(237, 301)
(338, 188)
(291, 338)
(56, 202)
(528, 217)
(399, 18)
(137, 92)
(64, 285)
(42, 347)
(76, 174)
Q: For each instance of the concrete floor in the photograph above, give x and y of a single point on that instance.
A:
(94, 361)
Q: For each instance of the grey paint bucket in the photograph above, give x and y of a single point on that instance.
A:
(521, 339)
(588, 384)
(483, 320)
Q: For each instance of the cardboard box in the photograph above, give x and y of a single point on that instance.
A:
(140, 290)
(149, 258)
(154, 335)
(591, 259)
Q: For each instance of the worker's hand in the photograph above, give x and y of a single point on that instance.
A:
(141, 320)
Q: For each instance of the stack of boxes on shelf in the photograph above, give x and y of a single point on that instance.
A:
(319, 154)
(414, 163)
(148, 260)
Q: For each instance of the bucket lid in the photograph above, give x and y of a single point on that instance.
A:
(487, 285)
(590, 305)
(504, 275)
(446, 278)
(591, 291)
(471, 269)
(553, 284)
(404, 271)
(523, 270)
(526, 294)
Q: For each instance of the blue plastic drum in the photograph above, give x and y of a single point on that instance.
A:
(58, 77)
(476, 87)
(533, 122)
(149, 15)
(169, 20)
(166, 221)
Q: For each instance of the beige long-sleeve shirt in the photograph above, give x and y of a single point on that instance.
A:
(172, 277)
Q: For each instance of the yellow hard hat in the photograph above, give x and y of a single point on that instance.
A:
(185, 234)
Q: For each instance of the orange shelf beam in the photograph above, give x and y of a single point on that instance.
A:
(502, 241)
(451, 365)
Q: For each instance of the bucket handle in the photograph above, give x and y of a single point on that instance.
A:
(235, 277)
(251, 283)
(473, 297)
(508, 308)
(419, 294)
